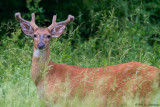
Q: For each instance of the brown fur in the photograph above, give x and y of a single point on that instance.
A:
(133, 76)
(109, 81)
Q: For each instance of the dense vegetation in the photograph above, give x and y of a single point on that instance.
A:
(105, 32)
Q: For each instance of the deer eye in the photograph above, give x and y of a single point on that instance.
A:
(49, 36)
(34, 35)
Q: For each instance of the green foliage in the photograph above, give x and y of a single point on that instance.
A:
(105, 32)
(35, 7)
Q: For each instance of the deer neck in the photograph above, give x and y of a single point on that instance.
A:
(39, 63)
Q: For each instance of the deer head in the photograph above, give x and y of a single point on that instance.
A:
(42, 36)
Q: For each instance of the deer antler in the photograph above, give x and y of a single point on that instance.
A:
(53, 23)
(69, 19)
(32, 23)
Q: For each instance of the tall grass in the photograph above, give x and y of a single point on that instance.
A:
(113, 42)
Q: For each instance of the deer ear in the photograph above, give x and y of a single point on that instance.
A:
(57, 30)
(27, 28)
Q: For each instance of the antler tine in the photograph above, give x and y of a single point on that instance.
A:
(33, 17)
(19, 18)
(69, 19)
(53, 22)
(54, 19)
(32, 23)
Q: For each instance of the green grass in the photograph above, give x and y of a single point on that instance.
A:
(111, 44)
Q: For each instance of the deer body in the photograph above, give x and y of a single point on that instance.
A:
(133, 76)
(121, 73)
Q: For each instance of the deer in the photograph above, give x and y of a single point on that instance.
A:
(121, 78)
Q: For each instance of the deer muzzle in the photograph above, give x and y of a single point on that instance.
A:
(41, 45)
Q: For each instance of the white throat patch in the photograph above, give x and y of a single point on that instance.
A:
(39, 53)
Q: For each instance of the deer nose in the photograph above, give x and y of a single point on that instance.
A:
(41, 45)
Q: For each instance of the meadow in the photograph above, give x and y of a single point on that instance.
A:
(107, 39)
